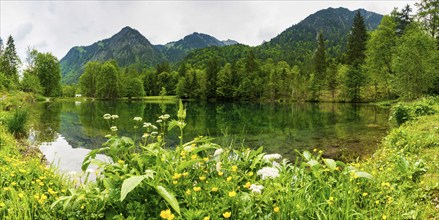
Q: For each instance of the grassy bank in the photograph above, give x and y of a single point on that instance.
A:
(28, 186)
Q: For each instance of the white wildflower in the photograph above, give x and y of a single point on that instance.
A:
(256, 188)
(114, 116)
(159, 121)
(268, 172)
(113, 128)
(145, 135)
(218, 152)
(154, 127)
(137, 118)
(107, 116)
(275, 164)
(154, 133)
(108, 136)
(188, 148)
(147, 124)
(72, 173)
(89, 170)
(271, 157)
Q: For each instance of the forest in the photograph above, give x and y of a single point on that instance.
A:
(399, 59)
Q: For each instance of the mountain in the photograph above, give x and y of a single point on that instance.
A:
(296, 42)
(177, 50)
(229, 42)
(127, 47)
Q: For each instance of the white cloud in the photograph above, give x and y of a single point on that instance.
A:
(56, 26)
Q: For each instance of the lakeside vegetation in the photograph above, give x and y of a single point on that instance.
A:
(202, 180)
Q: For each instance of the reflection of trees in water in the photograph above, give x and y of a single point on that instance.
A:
(48, 121)
(279, 127)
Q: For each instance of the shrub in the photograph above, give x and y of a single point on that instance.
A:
(16, 123)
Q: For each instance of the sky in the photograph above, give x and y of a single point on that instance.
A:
(57, 26)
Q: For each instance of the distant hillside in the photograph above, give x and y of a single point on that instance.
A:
(296, 42)
(126, 47)
(294, 45)
(176, 51)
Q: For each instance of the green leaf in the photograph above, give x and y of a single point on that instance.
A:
(90, 157)
(364, 175)
(129, 184)
(330, 163)
(256, 161)
(169, 197)
(189, 163)
(313, 163)
(307, 155)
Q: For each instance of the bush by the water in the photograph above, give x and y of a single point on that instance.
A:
(16, 123)
(403, 112)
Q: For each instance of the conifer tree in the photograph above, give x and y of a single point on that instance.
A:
(357, 40)
(9, 61)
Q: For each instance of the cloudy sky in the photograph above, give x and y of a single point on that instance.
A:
(57, 26)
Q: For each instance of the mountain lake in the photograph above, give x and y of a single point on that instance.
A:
(66, 131)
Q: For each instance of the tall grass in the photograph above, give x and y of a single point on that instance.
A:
(16, 124)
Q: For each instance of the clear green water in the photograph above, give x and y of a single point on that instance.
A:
(342, 131)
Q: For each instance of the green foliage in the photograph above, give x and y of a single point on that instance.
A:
(88, 80)
(9, 63)
(48, 70)
(428, 12)
(31, 83)
(107, 86)
(17, 123)
(403, 112)
(68, 90)
(415, 64)
(134, 87)
(379, 54)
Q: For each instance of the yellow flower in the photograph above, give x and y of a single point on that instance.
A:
(384, 217)
(220, 173)
(234, 168)
(320, 152)
(120, 161)
(165, 213)
(183, 153)
(206, 159)
(188, 192)
(214, 189)
(20, 195)
(193, 157)
(315, 150)
(250, 173)
(185, 174)
(6, 188)
(202, 178)
(51, 191)
(229, 179)
(227, 214)
(330, 200)
(276, 209)
(13, 183)
(232, 193)
(2, 205)
(36, 196)
(175, 182)
(365, 194)
(206, 218)
(197, 188)
(41, 184)
(247, 185)
(176, 176)
(377, 202)
(82, 207)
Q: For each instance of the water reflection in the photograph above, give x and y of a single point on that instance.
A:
(343, 131)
